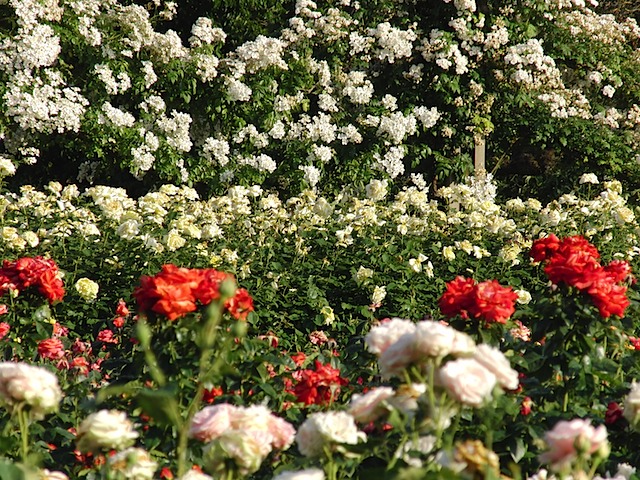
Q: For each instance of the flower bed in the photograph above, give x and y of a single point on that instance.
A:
(427, 335)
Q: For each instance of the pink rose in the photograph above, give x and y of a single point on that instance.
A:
(398, 356)
(370, 406)
(495, 361)
(566, 438)
(434, 339)
(282, 432)
(211, 422)
(467, 381)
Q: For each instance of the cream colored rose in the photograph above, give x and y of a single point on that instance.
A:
(105, 429)
(467, 381)
(327, 428)
(134, 463)
(247, 449)
(55, 475)
(87, 289)
(31, 385)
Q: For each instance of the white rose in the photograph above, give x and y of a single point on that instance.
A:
(467, 381)
(377, 190)
(327, 428)
(632, 404)
(495, 361)
(32, 385)
(524, 297)
(387, 333)
(134, 463)
(370, 406)
(105, 429)
(463, 344)
(310, 474)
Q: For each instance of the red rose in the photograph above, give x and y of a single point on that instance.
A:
(319, 387)
(4, 329)
(168, 293)
(608, 297)
(613, 414)
(240, 304)
(209, 286)
(493, 302)
(543, 248)
(106, 336)
(121, 309)
(51, 286)
(51, 348)
(619, 270)
(457, 298)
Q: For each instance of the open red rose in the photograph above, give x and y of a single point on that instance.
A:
(492, 302)
(543, 248)
(458, 297)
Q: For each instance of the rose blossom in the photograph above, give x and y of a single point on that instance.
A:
(327, 428)
(495, 361)
(51, 348)
(386, 333)
(632, 404)
(467, 381)
(211, 422)
(49, 475)
(134, 463)
(195, 475)
(34, 386)
(434, 339)
(566, 437)
(309, 474)
(4, 329)
(108, 429)
(370, 406)
(398, 356)
(247, 449)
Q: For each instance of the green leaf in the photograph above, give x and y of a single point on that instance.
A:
(161, 405)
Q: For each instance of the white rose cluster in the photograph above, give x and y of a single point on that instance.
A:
(35, 387)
